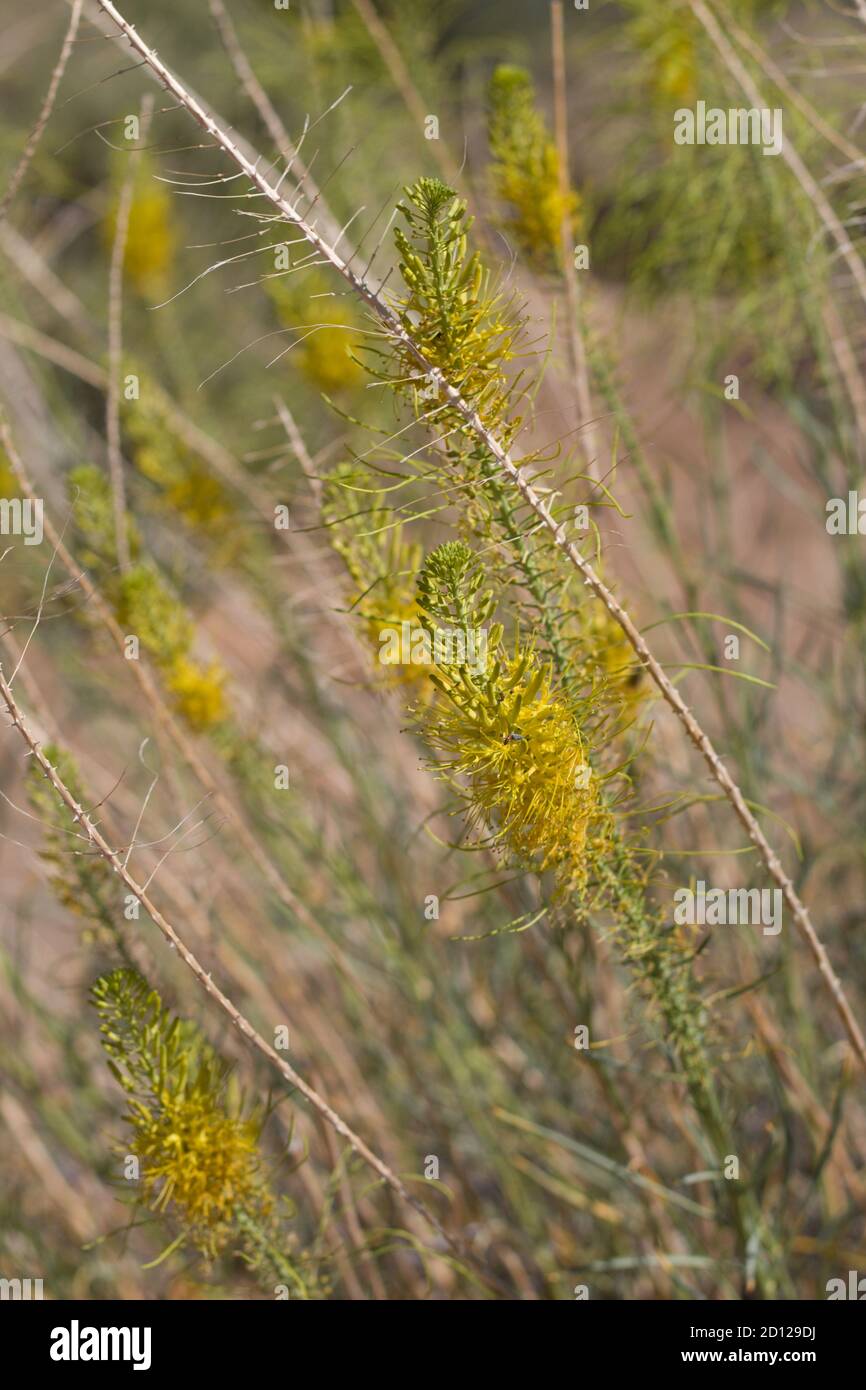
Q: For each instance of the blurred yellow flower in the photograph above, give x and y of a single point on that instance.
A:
(525, 170)
(198, 691)
(150, 239)
(327, 330)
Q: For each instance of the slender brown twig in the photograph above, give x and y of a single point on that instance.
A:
(576, 344)
(45, 114)
(115, 338)
(402, 79)
(273, 122)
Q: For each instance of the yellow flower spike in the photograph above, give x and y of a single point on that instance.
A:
(525, 169)
(198, 1150)
(199, 692)
(151, 239)
(609, 658)
(462, 325)
(328, 330)
(669, 41)
(510, 743)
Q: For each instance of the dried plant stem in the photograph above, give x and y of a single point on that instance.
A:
(156, 704)
(574, 327)
(115, 339)
(846, 360)
(244, 1027)
(24, 335)
(38, 273)
(45, 114)
(514, 471)
(78, 1214)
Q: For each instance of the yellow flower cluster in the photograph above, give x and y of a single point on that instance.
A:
(150, 239)
(506, 738)
(197, 1149)
(609, 658)
(199, 691)
(144, 604)
(326, 327)
(200, 1159)
(512, 745)
(525, 171)
(150, 610)
(186, 486)
(669, 42)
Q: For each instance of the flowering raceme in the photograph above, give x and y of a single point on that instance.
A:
(608, 658)
(520, 750)
(145, 605)
(151, 239)
(461, 324)
(198, 1150)
(185, 485)
(507, 739)
(328, 332)
(525, 170)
